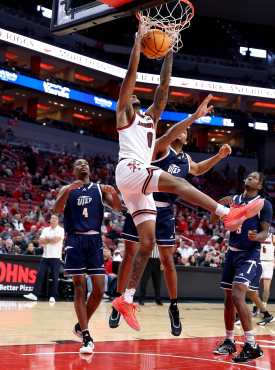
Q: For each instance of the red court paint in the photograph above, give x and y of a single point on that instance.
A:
(173, 354)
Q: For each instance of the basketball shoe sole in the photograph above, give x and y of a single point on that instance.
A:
(128, 311)
(239, 214)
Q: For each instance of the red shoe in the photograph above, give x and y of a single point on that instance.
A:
(128, 311)
(239, 214)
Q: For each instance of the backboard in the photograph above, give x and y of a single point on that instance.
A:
(74, 15)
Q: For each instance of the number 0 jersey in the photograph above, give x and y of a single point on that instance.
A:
(84, 210)
(137, 140)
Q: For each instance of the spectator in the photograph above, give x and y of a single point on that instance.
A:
(17, 222)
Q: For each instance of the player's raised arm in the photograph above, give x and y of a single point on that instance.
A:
(199, 168)
(124, 110)
(161, 93)
(163, 143)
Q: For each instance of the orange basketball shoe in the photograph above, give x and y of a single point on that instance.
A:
(128, 311)
(238, 214)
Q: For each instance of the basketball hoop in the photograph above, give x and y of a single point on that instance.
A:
(171, 18)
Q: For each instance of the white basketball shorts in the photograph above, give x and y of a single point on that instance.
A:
(137, 182)
(268, 268)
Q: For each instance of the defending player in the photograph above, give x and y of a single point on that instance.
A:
(137, 179)
(242, 270)
(82, 203)
(168, 155)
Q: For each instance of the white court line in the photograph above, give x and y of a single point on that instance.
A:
(148, 354)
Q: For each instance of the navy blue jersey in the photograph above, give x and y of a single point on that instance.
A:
(239, 239)
(177, 165)
(84, 210)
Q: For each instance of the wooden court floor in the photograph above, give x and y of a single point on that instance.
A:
(39, 336)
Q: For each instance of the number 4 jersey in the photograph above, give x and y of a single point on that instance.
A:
(84, 210)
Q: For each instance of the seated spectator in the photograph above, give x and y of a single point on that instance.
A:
(199, 230)
(17, 222)
(3, 191)
(31, 250)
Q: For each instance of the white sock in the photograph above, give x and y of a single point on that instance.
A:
(222, 210)
(250, 337)
(129, 295)
(229, 334)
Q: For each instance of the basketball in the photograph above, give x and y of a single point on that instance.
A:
(155, 44)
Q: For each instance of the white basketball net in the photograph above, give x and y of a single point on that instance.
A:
(171, 18)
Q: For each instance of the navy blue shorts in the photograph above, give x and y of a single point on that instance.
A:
(165, 228)
(242, 267)
(84, 255)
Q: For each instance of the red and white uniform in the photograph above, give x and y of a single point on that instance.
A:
(267, 257)
(135, 177)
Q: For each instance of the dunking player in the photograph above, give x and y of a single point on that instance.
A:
(168, 156)
(242, 269)
(137, 179)
(82, 203)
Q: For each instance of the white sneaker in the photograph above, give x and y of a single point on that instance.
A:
(52, 300)
(87, 347)
(30, 296)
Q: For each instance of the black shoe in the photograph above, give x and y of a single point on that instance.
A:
(77, 331)
(174, 316)
(141, 302)
(114, 319)
(227, 347)
(266, 320)
(158, 302)
(248, 353)
(255, 311)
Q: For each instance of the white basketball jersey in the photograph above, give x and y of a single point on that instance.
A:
(267, 249)
(137, 140)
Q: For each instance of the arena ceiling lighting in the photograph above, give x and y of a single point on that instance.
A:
(146, 78)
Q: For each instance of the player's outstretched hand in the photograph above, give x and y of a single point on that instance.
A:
(108, 189)
(252, 235)
(225, 151)
(204, 108)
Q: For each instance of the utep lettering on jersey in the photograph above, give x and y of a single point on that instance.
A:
(177, 165)
(82, 205)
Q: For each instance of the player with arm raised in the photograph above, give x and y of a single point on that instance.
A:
(169, 156)
(82, 204)
(137, 179)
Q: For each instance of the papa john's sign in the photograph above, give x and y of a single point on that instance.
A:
(17, 274)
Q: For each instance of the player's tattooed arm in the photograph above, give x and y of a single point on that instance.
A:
(63, 196)
(260, 236)
(111, 197)
(124, 110)
(162, 91)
